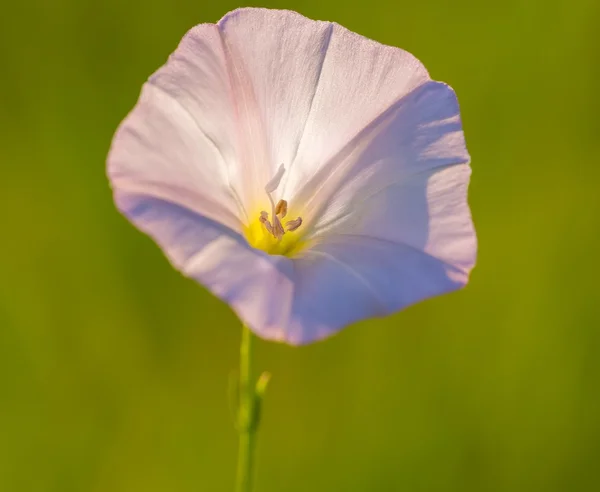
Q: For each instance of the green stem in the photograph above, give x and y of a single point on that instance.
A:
(246, 415)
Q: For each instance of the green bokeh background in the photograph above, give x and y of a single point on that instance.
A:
(113, 367)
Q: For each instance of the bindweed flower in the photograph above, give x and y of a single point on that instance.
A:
(306, 175)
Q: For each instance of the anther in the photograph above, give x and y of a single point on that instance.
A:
(265, 221)
(292, 225)
(281, 208)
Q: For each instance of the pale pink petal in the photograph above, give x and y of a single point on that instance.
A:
(157, 151)
(258, 287)
(177, 142)
(359, 80)
(403, 179)
(276, 59)
(391, 223)
(351, 278)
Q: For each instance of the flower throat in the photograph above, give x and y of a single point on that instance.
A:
(268, 233)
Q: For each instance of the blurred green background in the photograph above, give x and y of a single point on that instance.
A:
(113, 367)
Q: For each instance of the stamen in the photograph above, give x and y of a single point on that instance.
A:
(281, 208)
(278, 230)
(278, 211)
(265, 221)
(292, 225)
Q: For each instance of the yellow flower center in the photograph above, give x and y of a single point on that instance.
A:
(277, 232)
(258, 237)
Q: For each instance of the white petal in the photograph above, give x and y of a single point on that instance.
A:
(257, 286)
(416, 241)
(177, 142)
(277, 58)
(404, 179)
(391, 221)
(347, 279)
(247, 84)
(359, 80)
(419, 133)
(429, 213)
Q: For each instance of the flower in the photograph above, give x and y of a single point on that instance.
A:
(306, 175)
